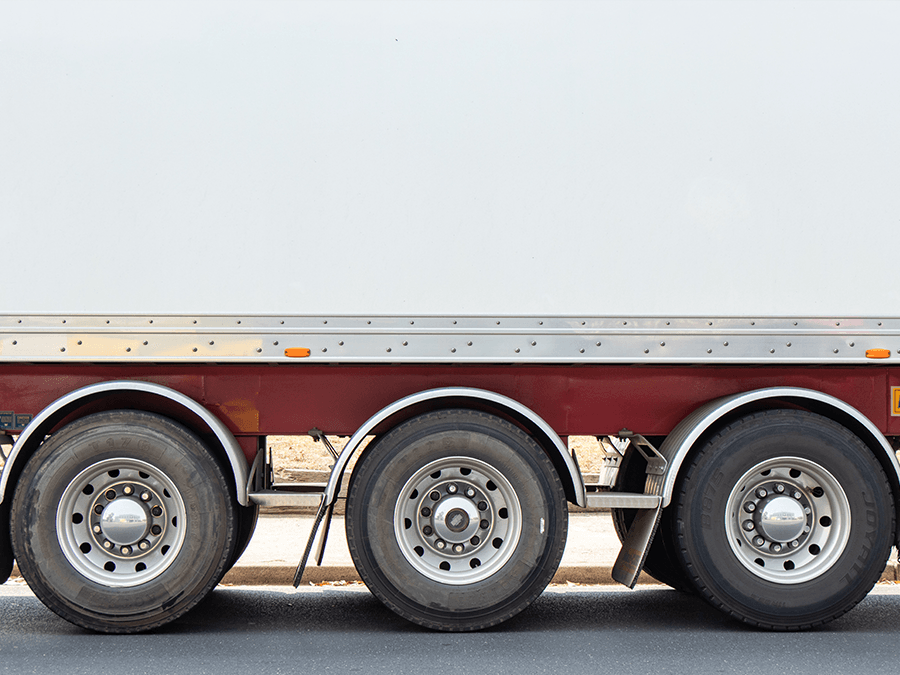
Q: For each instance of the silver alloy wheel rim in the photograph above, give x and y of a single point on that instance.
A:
(121, 522)
(787, 520)
(469, 532)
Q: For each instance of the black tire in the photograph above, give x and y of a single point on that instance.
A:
(785, 520)
(163, 506)
(662, 562)
(500, 499)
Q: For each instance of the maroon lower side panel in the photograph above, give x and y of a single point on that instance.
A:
(574, 400)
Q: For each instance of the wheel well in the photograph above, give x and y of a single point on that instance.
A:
(104, 399)
(845, 418)
(495, 407)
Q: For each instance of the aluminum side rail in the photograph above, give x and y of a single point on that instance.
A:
(434, 339)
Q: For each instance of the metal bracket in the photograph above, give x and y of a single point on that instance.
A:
(319, 435)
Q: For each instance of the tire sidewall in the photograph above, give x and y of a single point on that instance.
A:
(174, 452)
(708, 553)
(381, 478)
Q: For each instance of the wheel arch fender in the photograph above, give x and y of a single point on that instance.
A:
(462, 397)
(203, 422)
(693, 428)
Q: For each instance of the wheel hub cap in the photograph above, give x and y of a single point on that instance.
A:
(456, 519)
(124, 521)
(781, 519)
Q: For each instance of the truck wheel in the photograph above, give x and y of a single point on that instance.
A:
(122, 521)
(456, 520)
(785, 520)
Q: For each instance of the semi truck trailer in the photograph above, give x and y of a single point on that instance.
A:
(456, 235)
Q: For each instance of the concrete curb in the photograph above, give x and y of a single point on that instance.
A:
(283, 575)
(272, 575)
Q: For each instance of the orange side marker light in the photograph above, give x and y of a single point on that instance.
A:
(878, 353)
(296, 352)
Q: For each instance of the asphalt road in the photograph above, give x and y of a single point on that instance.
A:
(577, 630)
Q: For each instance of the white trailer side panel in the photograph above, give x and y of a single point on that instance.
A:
(449, 158)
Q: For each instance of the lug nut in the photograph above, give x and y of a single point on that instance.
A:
(485, 524)
(779, 488)
(98, 509)
(127, 489)
(748, 525)
(776, 548)
(807, 510)
(761, 492)
(145, 496)
(427, 531)
(475, 541)
(439, 544)
(797, 494)
(96, 529)
(126, 550)
(110, 494)
(107, 544)
(457, 548)
(451, 489)
(749, 507)
(470, 493)
(435, 495)
(156, 530)
(426, 512)
(758, 541)
(795, 543)
(144, 545)
(156, 511)
(806, 529)
(482, 506)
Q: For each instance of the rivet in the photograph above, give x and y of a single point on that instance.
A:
(517, 350)
(852, 345)
(15, 342)
(388, 350)
(324, 349)
(145, 343)
(788, 344)
(259, 350)
(212, 342)
(412, 323)
(453, 350)
(541, 323)
(405, 343)
(341, 343)
(836, 351)
(662, 344)
(598, 344)
(469, 343)
(275, 343)
(725, 344)
(709, 351)
(62, 349)
(195, 349)
(79, 342)
(771, 351)
(127, 349)
(498, 323)
(533, 343)
(581, 351)
(646, 351)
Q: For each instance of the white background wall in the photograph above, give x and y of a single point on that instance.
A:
(493, 157)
